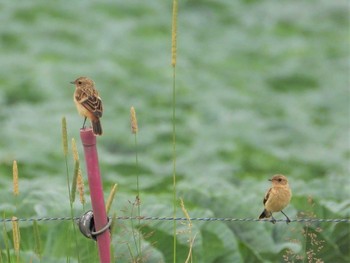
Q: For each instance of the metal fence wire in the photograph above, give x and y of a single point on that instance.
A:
(206, 219)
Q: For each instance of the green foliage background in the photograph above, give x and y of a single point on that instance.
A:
(262, 88)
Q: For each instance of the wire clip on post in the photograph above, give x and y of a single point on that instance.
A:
(87, 227)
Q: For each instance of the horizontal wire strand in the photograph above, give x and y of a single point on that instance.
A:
(205, 219)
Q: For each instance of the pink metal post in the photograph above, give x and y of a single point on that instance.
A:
(96, 191)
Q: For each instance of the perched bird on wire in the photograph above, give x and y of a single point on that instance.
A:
(277, 197)
(88, 102)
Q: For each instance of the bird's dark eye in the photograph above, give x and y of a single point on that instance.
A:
(280, 180)
(79, 82)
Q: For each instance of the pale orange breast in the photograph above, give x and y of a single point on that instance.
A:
(278, 199)
(83, 111)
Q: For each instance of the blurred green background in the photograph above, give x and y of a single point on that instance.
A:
(262, 88)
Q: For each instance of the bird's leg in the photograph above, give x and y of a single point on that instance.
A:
(288, 220)
(84, 124)
(273, 220)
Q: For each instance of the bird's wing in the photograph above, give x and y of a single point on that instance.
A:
(94, 105)
(92, 102)
(267, 195)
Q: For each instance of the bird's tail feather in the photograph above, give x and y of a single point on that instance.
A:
(96, 127)
(265, 214)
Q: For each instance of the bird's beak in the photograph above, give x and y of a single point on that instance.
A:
(270, 179)
(72, 82)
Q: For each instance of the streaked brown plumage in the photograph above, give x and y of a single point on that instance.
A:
(88, 102)
(277, 197)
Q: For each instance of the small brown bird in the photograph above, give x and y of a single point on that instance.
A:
(277, 197)
(88, 102)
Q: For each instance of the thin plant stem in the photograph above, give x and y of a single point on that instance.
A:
(189, 227)
(114, 219)
(306, 232)
(133, 229)
(131, 255)
(111, 198)
(138, 202)
(37, 241)
(6, 241)
(134, 130)
(173, 63)
(174, 168)
(1, 259)
(15, 183)
(16, 238)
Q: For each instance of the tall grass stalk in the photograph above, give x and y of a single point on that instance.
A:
(138, 198)
(189, 227)
(16, 237)
(15, 178)
(81, 189)
(130, 252)
(15, 227)
(308, 239)
(37, 241)
(134, 130)
(313, 244)
(114, 220)
(133, 231)
(1, 259)
(65, 153)
(76, 170)
(111, 197)
(306, 235)
(173, 63)
(6, 241)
